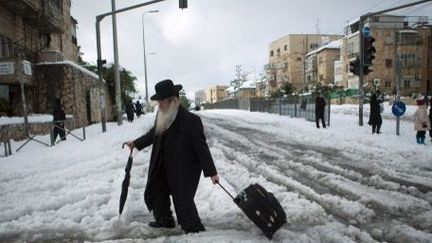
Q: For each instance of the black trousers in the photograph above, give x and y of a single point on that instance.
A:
(376, 128)
(59, 131)
(187, 214)
(421, 134)
(320, 117)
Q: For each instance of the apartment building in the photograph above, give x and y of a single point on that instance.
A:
(397, 41)
(286, 58)
(38, 56)
(247, 90)
(216, 93)
(319, 64)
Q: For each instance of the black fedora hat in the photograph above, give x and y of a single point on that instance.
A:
(165, 89)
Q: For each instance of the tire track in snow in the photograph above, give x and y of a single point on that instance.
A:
(253, 137)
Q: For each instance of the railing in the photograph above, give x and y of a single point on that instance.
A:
(15, 132)
(294, 106)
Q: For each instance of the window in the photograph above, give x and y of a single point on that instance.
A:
(299, 59)
(6, 47)
(389, 63)
(407, 60)
(285, 47)
(387, 84)
(73, 28)
(271, 53)
(313, 46)
(407, 83)
(278, 52)
(408, 38)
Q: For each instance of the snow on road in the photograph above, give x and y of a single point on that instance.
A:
(341, 184)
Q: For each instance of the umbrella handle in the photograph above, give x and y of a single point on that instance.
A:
(123, 145)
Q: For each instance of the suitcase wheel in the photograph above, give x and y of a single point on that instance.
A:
(272, 219)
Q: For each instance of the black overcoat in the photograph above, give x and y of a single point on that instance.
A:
(186, 153)
(319, 106)
(375, 113)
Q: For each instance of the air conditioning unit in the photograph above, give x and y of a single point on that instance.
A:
(50, 56)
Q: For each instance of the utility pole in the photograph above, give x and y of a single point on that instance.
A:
(116, 67)
(361, 57)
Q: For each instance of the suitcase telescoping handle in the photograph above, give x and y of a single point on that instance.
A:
(225, 190)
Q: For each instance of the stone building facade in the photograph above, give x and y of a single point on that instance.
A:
(319, 65)
(38, 55)
(286, 58)
(216, 93)
(395, 41)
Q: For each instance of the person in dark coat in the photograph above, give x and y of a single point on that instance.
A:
(58, 119)
(179, 154)
(130, 110)
(375, 119)
(430, 118)
(319, 110)
(138, 108)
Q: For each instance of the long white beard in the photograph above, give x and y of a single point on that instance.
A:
(164, 119)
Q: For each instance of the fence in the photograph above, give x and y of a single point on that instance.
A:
(294, 106)
(16, 132)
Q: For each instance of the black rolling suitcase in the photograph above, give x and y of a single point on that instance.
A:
(261, 207)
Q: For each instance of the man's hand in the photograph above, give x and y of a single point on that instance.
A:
(131, 145)
(215, 179)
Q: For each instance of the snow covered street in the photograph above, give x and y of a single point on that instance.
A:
(340, 184)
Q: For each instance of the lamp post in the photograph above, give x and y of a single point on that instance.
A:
(145, 58)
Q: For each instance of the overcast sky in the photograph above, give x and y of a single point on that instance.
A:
(201, 45)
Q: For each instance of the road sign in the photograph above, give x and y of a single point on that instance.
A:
(6, 68)
(376, 82)
(398, 108)
(366, 31)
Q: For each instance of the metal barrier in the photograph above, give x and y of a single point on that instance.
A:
(48, 128)
(67, 132)
(293, 106)
(6, 143)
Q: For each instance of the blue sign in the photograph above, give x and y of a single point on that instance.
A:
(398, 108)
(366, 31)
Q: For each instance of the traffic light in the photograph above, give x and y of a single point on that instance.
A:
(183, 4)
(369, 50)
(366, 70)
(354, 66)
(100, 63)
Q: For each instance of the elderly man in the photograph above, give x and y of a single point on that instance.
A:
(178, 156)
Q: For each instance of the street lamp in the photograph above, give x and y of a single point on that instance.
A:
(145, 59)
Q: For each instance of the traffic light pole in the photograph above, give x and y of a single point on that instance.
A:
(360, 71)
(361, 50)
(99, 55)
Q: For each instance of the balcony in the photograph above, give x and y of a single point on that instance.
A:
(44, 15)
(21, 7)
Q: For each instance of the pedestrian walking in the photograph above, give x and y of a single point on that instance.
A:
(319, 110)
(426, 100)
(375, 119)
(421, 122)
(430, 118)
(59, 118)
(179, 154)
(138, 109)
(130, 110)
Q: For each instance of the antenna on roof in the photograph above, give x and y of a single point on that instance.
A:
(317, 26)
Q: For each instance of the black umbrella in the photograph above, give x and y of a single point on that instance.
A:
(125, 184)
